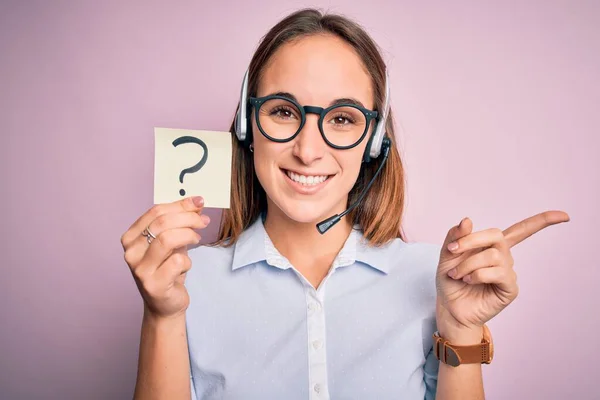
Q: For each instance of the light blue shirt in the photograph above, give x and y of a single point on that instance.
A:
(257, 329)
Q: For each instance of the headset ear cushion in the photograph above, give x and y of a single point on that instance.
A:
(248, 139)
(236, 125)
(367, 153)
(240, 132)
(242, 116)
(243, 128)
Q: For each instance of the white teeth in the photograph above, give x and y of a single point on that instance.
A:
(306, 180)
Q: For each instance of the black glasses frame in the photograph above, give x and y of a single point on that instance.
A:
(257, 102)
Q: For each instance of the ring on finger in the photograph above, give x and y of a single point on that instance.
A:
(148, 234)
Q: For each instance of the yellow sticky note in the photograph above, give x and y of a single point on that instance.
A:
(192, 163)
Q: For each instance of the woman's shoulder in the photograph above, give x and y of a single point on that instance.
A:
(210, 264)
(417, 261)
(421, 253)
(213, 252)
(398, 254)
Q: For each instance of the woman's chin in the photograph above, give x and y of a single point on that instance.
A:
(306, 213)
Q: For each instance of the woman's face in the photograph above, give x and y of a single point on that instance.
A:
(317, 70)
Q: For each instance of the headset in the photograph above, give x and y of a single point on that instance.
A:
(374, 145)
(378, 142)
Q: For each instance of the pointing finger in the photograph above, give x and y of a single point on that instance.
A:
(522, 230)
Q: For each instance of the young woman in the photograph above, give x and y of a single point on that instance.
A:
(278, 309)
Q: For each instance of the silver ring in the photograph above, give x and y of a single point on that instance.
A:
(149, 235)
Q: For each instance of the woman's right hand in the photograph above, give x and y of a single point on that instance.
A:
(159, 267)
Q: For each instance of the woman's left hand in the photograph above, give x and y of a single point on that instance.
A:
(477, 280)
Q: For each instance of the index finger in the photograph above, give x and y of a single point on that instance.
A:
(522, 230)
(192, 203)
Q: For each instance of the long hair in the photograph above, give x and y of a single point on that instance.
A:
(380, 212)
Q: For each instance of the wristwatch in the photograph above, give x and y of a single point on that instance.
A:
(453, 355)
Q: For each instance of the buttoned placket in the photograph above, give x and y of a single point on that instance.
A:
(317, 361)
(317, 341)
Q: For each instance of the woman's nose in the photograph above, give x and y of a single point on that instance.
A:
(309, 145)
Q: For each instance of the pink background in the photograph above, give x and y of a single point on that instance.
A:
(498, 114)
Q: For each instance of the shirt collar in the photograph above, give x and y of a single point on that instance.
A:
(250, 248)
(254, 245)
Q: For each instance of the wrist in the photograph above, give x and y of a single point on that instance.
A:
(453, 331)
(460, 336)
(162, 322)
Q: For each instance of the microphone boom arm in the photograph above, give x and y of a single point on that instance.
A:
(324, 225)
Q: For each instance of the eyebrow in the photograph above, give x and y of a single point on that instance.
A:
(343, 100)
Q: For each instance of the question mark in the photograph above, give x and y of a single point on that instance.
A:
(193, 168)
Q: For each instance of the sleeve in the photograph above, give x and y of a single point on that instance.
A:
(431, 366)
(192, 390)
(430, 375)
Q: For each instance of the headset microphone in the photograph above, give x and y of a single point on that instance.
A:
(324, 225)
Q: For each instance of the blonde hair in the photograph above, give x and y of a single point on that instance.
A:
(380, 212)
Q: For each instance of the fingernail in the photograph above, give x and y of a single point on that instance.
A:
(452, 273)
(205, 219)
(198, 201)
(452, 246)
(467, 278)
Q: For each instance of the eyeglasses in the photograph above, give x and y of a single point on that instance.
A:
(281, 119)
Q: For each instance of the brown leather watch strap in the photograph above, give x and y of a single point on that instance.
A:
(456, 355)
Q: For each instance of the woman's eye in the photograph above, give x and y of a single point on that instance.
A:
(342, 120)
(282, 113)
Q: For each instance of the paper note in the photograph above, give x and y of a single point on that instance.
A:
(192, 163)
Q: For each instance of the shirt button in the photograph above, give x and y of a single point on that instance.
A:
(317, 388)
(314, 306)
(317, 344)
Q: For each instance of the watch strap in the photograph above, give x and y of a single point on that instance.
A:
(456, 355)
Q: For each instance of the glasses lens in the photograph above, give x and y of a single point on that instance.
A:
(279, 118)
(344, 125)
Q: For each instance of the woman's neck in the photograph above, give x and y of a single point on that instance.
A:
(301, 243)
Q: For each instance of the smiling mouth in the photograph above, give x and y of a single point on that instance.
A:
(306, 180)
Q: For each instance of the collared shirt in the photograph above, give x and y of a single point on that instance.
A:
(257, 329)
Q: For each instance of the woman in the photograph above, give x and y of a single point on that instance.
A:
(277, 309)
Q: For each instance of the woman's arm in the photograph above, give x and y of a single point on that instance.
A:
(163, 366)
(464, 382)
